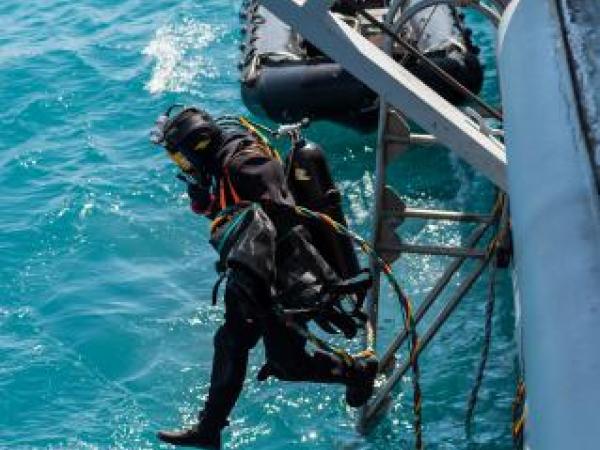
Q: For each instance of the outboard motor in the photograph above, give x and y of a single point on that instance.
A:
(311, 183)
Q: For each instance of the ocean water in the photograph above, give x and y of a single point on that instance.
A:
(105, 275)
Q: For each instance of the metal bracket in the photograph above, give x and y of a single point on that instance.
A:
(396, 135)
(483, 126)
(389, 243)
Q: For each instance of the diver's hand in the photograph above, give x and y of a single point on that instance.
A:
(202, 200)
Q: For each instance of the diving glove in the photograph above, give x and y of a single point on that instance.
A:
(203, 202)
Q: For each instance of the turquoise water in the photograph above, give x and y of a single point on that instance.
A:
(105, 321)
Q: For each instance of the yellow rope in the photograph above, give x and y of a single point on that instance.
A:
(519, 414)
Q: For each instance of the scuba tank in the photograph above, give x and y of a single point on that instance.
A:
(311, 184)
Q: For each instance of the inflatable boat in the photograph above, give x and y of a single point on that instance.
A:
(285, 78)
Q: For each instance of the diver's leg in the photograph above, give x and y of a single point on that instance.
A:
(289, 360)
(232, 343)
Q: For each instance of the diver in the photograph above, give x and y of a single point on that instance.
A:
(267, 259)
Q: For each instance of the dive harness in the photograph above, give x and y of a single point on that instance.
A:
(305, 288)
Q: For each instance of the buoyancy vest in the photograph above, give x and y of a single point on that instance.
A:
(303, 285)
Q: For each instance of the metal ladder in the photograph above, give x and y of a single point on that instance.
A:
(390, 213)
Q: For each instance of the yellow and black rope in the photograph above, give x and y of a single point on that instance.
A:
(485, 350)
(500, 207)
(406, 306)
(518, 415)
(265, 144)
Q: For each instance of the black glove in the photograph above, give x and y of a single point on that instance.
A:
(198, 193)
(203, 201)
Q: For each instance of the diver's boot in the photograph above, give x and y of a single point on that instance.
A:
(204, 434)
(361, 378)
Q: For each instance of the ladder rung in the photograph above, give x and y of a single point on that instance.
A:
(438, 250)
(455, 216)
(413, 139)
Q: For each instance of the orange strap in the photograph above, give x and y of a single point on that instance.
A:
(223, 195)
(222, 198)
(236, 198)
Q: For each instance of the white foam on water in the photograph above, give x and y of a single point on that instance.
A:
(359, 194)
(178, 51)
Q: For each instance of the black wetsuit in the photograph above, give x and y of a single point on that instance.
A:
(248, 312)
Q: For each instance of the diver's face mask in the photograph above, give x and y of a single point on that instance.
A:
(157, 134)
(189, 137)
